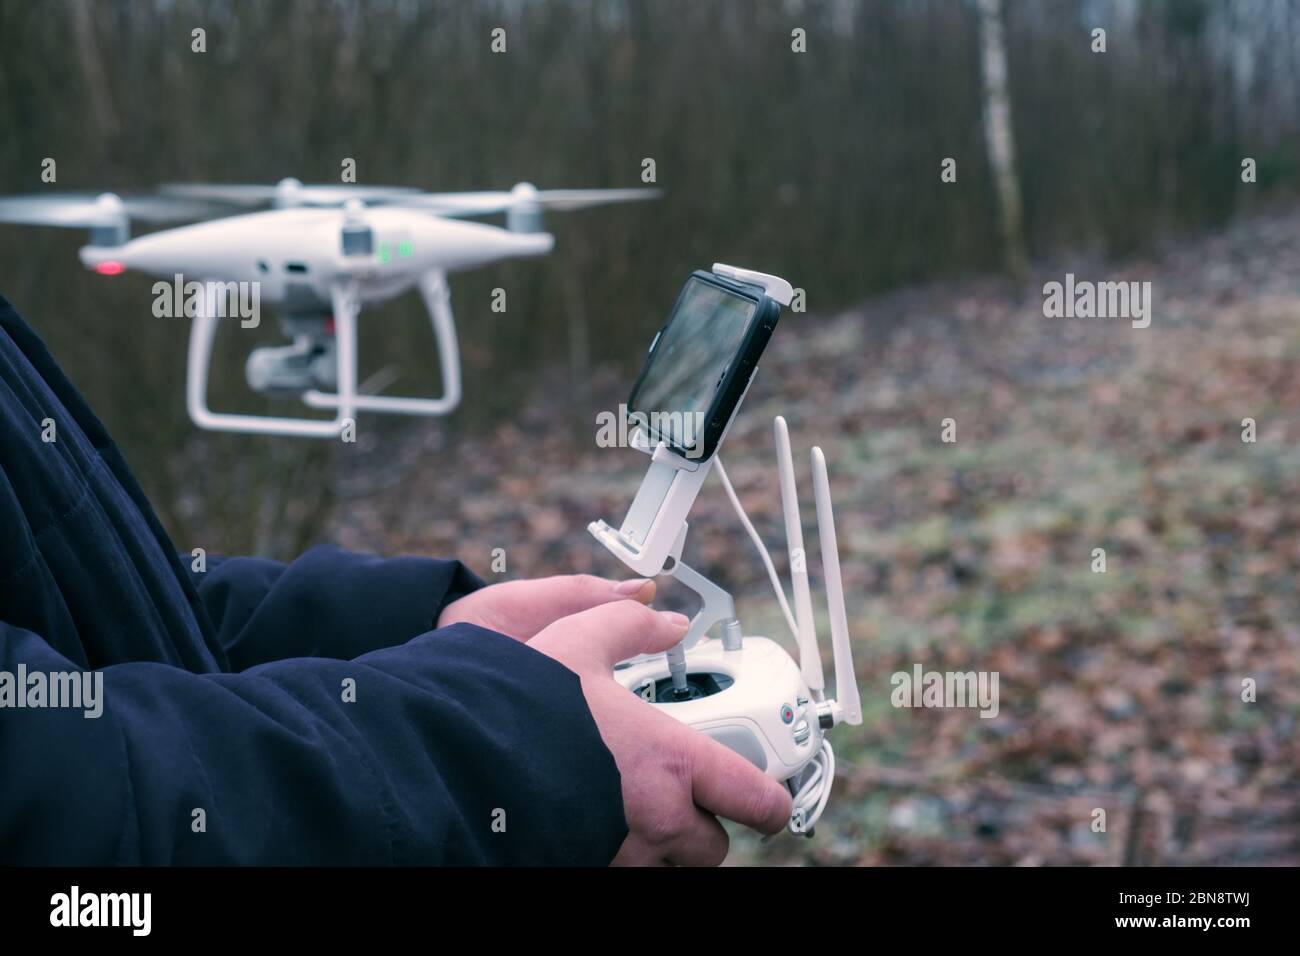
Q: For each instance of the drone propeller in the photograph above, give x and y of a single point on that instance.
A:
(286, 193)
(107, 215)
(96, 209)
(524, 204)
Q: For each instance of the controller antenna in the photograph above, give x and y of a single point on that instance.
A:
(847, 707)
(810, 659)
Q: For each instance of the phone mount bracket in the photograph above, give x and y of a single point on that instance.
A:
(654, 528)
(653, 535)
(717, 607)
(774, 287)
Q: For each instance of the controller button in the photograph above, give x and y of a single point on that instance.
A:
(801, 732)
(787, 713)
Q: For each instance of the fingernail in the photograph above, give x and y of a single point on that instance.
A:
(631, 587)
(679, 621)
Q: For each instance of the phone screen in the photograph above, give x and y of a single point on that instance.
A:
(703, 337)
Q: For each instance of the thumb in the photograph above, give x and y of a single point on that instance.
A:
(602, 636)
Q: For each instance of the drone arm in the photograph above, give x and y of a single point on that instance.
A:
(203, 332)
(437, 300)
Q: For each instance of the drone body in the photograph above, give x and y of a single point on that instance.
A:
(320, 256)
(298, 255)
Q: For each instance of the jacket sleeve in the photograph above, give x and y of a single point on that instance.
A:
(327, 603)
(460, 746)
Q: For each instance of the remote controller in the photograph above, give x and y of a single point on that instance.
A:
(743, 691)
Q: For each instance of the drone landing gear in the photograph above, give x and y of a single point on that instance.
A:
(346, 305)
(437, 301)
(294, 367)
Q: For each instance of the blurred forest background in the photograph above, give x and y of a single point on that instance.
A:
(1119, 690)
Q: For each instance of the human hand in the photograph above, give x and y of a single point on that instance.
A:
(522, 608)
(674, 778)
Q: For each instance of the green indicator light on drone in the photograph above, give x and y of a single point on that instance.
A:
(405, 250)
(385, 253)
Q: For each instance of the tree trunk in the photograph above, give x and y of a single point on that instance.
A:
(92, 68)
(999, 137)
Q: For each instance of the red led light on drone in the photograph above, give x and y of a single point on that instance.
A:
(110, 268)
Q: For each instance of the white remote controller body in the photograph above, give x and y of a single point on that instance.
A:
(760, 706)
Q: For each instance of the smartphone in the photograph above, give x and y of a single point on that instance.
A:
(700, 363)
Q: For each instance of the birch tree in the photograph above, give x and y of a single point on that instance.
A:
(999, 137)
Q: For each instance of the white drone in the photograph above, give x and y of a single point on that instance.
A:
(320, 255)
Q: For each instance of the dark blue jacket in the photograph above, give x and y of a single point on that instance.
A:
(224, 691)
